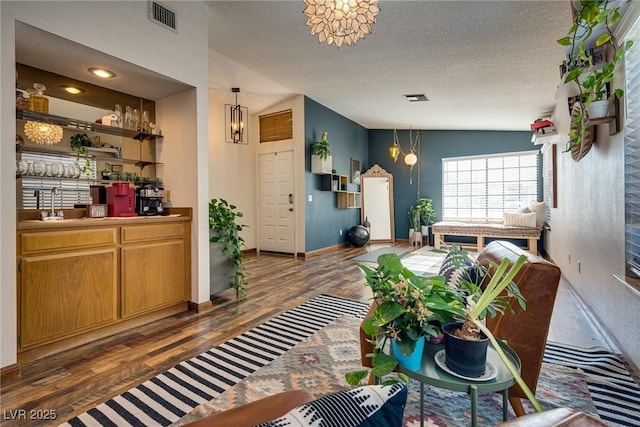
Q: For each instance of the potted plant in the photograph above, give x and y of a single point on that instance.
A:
(424, 208)
(414, 221)
(224, 230)
(79, 144)
(321, 148)
(591, 17)
(408, 310)
(321, 161)
(483, 295)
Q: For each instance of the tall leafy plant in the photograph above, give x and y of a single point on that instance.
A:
(321, 148)
(223, 218)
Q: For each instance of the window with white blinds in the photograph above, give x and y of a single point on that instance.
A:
(482, 188)
(36, 190)
(632, 151)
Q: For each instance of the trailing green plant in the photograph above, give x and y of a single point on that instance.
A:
(407, 306)
(424, 207)
(321, 148)
(223, 218)
(79, 144)
(592, 15)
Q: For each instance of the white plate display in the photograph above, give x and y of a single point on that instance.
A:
(490, 372)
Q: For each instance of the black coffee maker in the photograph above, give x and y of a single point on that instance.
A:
(149, 201)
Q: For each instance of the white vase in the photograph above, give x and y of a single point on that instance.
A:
(598, 109)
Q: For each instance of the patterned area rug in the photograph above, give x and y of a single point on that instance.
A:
(318, 364)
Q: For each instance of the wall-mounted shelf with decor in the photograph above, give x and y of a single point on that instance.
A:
(339, 184)
(613, 116)
(319, 166)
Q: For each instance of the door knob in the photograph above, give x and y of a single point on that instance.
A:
(290, 209)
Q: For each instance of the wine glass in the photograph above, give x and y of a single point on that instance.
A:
(118, 112)
(127, 117)
(135, 119)
(145, 121)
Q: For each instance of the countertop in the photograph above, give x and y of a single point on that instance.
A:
(37, 224)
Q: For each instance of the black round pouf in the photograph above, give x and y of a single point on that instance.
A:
(358, 236)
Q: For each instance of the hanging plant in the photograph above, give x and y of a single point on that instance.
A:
(591, 16)
(79, 144)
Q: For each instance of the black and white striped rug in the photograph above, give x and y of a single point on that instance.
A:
(168, 397)
(614, 392)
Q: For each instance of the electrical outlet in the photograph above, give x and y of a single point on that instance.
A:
(340, 232)
(310, 197)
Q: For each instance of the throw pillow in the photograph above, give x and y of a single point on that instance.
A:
(457, 266)
(539, 208)
(523, 210)
(520, 219)
(368, 406)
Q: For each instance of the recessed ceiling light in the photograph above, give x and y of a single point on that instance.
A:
(72, 89)
(103, 73)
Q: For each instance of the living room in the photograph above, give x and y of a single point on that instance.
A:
(587, 233)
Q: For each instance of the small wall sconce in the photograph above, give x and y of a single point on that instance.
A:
(236, 121)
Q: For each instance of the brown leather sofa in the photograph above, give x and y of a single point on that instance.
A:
(526, 331)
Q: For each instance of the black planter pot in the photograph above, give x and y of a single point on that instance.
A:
(467, 358)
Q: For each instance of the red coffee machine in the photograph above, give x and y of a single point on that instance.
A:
(121, 199)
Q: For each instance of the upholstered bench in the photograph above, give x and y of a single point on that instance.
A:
(482, 230)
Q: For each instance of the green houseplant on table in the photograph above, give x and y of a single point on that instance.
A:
(469, 301)
(225, 229)
(592, 16)
(407, 307)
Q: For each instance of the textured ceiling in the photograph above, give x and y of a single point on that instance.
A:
(485, 65)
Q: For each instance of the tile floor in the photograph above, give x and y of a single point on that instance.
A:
(572, 322)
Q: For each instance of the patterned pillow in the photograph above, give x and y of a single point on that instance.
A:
(457, 266)
(368, 406)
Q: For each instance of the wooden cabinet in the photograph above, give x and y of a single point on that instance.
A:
(87, 278)
(67, 284)
(153, 268)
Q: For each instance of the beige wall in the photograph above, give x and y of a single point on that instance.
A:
(181, 56)
(588, 226)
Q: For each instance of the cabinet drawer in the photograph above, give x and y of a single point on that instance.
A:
(152, 232)
(49, 241)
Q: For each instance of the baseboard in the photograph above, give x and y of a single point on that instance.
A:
(10, 373)
(322, 251)
(200, 307)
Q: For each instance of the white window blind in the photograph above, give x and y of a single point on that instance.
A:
(482, 188)
(36, 190)
(632, 151)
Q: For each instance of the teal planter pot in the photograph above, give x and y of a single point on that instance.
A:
(412, 361)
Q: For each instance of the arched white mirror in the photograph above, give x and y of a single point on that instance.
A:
(377, 203)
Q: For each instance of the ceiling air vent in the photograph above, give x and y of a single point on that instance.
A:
(163, 16)
(416, 97)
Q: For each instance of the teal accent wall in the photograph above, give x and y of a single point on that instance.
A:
(347, 139)
(436, 145)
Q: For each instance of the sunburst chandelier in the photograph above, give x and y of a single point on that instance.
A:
(341, 21)
(43, 133)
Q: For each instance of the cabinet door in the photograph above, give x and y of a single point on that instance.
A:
(153, 276)
(66, 294)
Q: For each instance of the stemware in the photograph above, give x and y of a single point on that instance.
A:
(118, 112)
(135, 119)
(145, 121)
(128, 117)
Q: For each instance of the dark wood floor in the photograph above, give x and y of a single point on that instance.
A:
(69, 383)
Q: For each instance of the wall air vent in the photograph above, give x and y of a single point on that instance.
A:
(163, 16)
(416, 97)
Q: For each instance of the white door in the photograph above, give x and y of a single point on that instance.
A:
(377, 207)
(276, 207)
